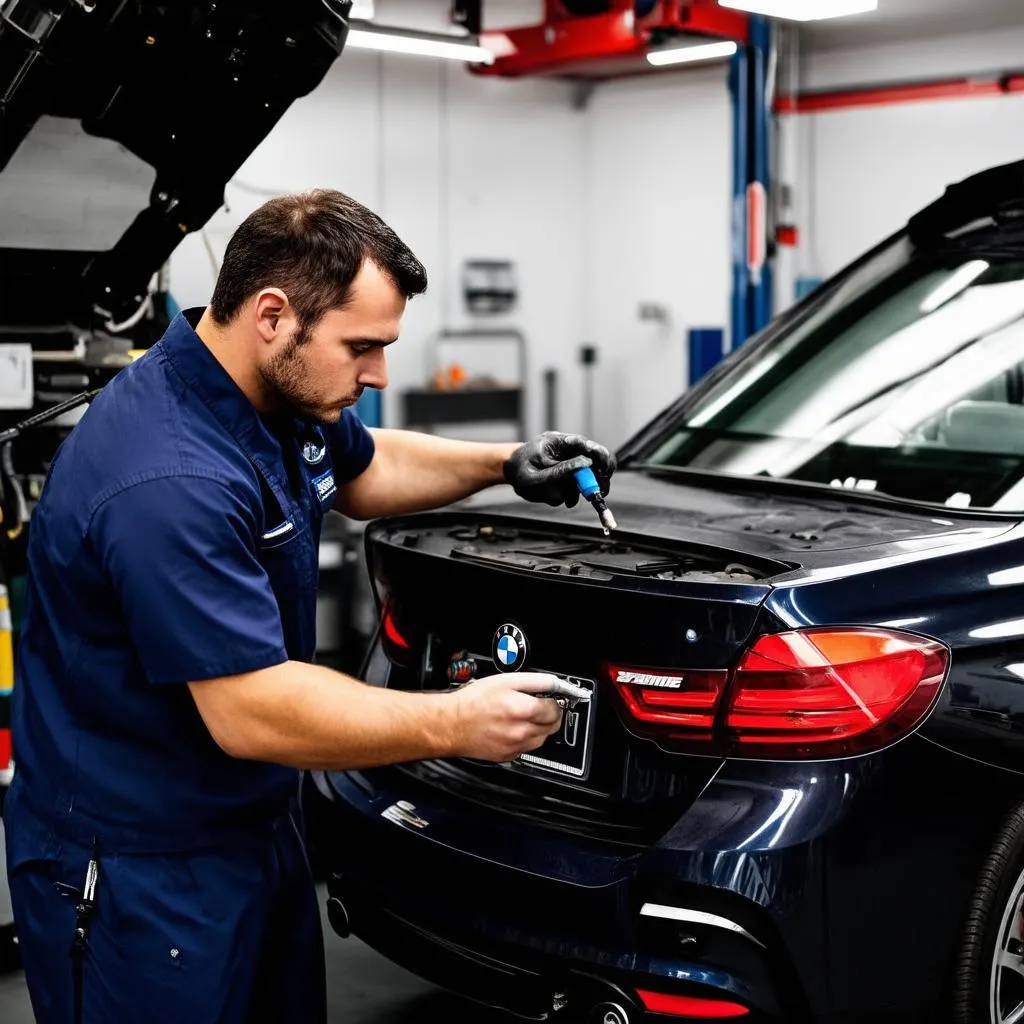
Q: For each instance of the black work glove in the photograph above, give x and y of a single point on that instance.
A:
(542, 470)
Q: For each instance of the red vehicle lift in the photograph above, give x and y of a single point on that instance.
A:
(596, 40)
(605, 38)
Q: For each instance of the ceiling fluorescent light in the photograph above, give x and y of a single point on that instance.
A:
(421, 44)
(802, 10)
(688, 54)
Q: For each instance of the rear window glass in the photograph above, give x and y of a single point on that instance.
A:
(909, 380)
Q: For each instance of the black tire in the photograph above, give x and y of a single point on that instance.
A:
(997, 883)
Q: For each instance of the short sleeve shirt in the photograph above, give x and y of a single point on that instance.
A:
(175, 541)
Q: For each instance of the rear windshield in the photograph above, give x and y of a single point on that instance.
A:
(909, 380)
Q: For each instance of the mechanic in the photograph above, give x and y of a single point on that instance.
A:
(166, 695)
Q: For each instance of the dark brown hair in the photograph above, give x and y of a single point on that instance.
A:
(311, 246)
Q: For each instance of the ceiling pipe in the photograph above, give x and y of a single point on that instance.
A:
(891, 95)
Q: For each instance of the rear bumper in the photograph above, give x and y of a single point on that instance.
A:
(489, 980)
(570, 923)
(828, 891)
(501, 981)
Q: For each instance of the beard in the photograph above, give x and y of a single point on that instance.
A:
(288, 378)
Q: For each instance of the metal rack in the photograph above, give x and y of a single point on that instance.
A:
(427, 408)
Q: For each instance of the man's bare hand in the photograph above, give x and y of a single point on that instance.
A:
(497, 719)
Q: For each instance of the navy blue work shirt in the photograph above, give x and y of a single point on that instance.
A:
(175, 541)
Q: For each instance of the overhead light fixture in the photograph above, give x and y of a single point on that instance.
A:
(691, 53)
(365, 36)
(802, 10)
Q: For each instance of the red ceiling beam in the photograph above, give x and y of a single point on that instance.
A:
(563, 42)
(558, 45)
(711, 20)
(915, 92)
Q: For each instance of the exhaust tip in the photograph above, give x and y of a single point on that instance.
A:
(338, 916)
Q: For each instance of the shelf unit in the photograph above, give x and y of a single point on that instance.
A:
(428, 408)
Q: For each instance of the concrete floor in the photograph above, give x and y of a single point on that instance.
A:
(362, 987)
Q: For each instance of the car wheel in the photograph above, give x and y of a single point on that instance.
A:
(988, 984)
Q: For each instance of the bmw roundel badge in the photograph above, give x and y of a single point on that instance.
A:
(509, 648)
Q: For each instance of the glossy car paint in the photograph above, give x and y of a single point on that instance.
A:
(853, 873)
(846, 881)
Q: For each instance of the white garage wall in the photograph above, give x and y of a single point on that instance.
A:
(866, 170)
(929, 56)
(601, 208)
(873, 168)
(660, 163)
(513, 189)
(622, 201)
(461, 168)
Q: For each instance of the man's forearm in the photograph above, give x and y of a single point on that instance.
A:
(308, 716)
(412, 472)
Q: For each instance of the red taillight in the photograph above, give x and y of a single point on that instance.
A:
(677, 705)
(395, 644)
(694, 1007)
(812, 693)
(391, 632)
(832, 692)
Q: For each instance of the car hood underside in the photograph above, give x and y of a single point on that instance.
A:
(189, 89)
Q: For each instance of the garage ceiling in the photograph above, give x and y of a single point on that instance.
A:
(914, 19)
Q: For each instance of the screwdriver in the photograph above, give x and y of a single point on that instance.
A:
(591, 490)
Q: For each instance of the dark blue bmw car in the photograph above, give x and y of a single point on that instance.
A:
(796, 792)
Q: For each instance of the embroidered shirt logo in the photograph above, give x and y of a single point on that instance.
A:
(314, 449)
(325, 486)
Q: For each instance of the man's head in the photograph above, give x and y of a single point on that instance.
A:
(318, 284)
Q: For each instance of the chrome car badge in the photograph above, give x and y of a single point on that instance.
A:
(649, 679)
(404, 813)
(509, 648)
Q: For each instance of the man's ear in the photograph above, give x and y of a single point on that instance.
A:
(270, 304)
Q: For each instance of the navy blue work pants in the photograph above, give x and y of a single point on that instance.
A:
(224, 935)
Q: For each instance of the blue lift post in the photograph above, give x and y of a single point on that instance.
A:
(748, 84)
(738, 72)
(706, 349)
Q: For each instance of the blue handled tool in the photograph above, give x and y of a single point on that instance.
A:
(591, 490)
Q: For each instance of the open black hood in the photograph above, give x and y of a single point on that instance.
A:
(188, 88)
